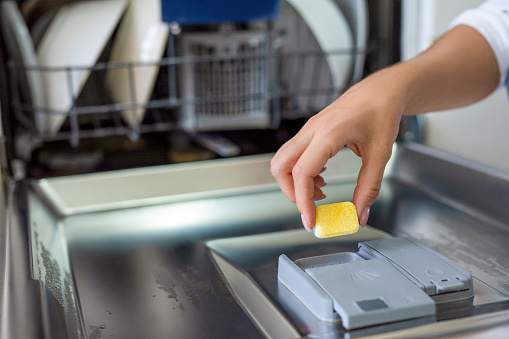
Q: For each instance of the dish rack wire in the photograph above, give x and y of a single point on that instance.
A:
(250, 80)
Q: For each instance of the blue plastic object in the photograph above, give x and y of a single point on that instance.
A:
(217, 11)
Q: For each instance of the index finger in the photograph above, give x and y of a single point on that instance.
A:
(283, 162)
(309, 165)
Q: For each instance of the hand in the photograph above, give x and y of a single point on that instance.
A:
(365, 119)
(458, 69)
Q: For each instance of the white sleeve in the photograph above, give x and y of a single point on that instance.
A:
(491, 19)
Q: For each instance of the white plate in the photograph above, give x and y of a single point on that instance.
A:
(20, 47)
(76, 37)
(330, 33)
(141, 37)
(303, 66)
(331, 30)
(356, 12)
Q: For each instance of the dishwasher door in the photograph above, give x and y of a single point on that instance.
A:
(205, 264)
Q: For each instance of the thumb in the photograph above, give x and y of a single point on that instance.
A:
(369, 182)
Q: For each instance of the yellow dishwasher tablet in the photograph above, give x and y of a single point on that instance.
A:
(336, 219)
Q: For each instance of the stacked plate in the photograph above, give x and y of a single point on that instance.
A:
(323, 50)
(141, 40)
(70, 46)
(70, 36)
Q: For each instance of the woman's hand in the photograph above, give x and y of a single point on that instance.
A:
(365, 119)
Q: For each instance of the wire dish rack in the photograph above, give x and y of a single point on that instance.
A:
(207, 81)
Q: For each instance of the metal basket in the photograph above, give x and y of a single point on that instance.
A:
(219, 81)
(235, 80)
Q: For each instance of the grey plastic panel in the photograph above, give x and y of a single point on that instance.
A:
(387, 280)
(371, 292)
(306, 289)
(435, 273)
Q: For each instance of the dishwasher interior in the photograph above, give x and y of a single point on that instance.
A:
(159, 82)
(139, 201)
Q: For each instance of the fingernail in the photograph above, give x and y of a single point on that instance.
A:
(364, 216)
(321, 185)
(305, 222)
(320, 198)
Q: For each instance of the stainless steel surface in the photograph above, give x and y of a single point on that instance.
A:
(4, 263)
(495, 325)
(141, 187)
(29, 308)
(50, 262)
(145, 271)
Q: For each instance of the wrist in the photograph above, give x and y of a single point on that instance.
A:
(406, 79)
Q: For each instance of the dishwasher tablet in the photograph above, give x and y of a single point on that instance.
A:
(336, 219)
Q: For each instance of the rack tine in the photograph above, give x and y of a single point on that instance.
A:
(73, 117)
(230, 79)
(135, 134)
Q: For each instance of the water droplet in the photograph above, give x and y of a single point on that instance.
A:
(103, 326)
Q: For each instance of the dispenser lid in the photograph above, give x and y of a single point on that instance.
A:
(371, 292)
(428, 269)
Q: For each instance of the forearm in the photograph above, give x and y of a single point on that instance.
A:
(457, 70)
